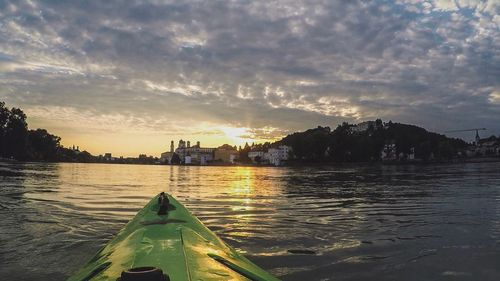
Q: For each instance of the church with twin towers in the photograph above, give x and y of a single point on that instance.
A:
(189, 154)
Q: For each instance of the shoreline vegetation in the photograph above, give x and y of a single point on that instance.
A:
(371, 142)
(18, 143)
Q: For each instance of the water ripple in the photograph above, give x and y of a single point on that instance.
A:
(353, 223)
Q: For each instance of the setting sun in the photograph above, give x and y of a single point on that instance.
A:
(238, 136)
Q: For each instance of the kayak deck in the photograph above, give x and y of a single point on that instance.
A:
(175, 242)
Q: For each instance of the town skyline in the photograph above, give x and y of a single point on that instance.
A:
(473, 136)
(128, 77)
(239, 137)
(363, 142)
(12, 116)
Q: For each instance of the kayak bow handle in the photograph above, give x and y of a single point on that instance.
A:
(163, 203)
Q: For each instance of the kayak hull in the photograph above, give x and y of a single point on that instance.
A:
(166, 236)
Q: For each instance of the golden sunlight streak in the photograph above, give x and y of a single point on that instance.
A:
(238, 136)
(243, 185)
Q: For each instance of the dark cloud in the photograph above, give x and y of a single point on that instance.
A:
(286, 65)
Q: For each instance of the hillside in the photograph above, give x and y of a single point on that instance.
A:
(367, 141)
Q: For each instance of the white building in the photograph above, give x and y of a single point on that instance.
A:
(187, 159)
(285, 152)
(411, 156)
(388, 153)
(275, 156)
(361, 127)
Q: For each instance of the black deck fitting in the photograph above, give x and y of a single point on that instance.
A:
(143, 274)
(163, 203)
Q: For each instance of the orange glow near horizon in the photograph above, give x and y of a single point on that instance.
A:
(131, 144)
(121, 137)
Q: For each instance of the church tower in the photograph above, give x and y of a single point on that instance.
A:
(182, 144)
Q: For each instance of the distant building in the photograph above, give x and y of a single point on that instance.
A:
(364, 126)
(108, 157)
(203, 158)
(285, 152)
(388, 153)
(484, 147)
(166, 157)
(411, 156)
(197, 154)
(277, 156)
(226, 155)
(187, 159)
(274, 156)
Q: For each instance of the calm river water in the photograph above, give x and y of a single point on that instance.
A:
(439, 222)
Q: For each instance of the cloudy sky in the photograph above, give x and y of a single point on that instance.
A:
(129, 76)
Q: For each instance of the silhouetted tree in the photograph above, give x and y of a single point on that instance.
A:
(35, 145)
(15, 131)
(346, 145)
(309, 145)
(342, 143)
(243, 154)
(43, 146)
(4, 121)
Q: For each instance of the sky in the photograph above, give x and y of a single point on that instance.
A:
(127, 77)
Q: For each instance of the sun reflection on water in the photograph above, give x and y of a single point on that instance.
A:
(243, 183)
(242, 189)
(326, 217)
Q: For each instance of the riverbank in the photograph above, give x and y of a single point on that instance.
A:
(295, 163)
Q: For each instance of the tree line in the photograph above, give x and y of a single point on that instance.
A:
(19, 143)
(346, 144)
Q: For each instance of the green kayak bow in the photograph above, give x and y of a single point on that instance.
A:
(165, 242)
